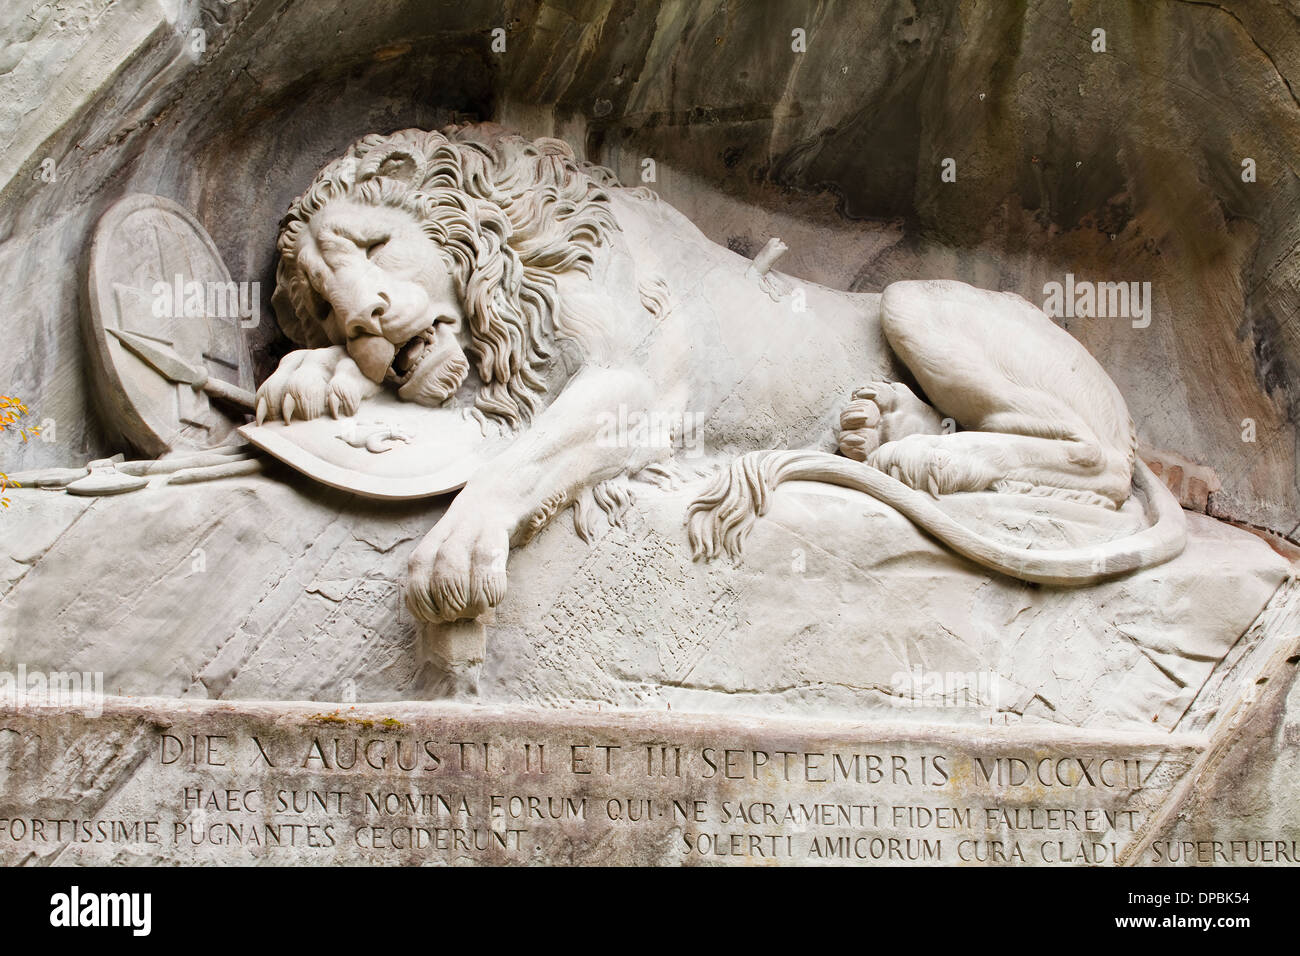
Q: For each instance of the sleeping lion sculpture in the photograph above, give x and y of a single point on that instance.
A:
(473, 265)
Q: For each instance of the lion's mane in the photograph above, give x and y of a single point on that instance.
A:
(511, 214)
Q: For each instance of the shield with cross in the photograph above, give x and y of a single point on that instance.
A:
(154, 275)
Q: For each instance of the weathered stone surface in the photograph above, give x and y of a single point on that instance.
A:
(243, 581)
(207, 783)
(1245, 798)
(252, 589)
(1059, 149)
(1144, 720)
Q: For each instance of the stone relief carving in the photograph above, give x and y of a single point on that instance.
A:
(163, 329)
(579, 526)
(787, 501)
(480, 313)
(421, 260)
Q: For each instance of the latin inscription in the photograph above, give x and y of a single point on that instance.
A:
(348, 789)
(460, 787)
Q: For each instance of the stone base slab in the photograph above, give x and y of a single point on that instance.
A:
(207, 782)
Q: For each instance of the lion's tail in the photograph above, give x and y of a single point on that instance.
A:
(720, 519)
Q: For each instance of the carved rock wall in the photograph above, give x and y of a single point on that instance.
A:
(1115, 166)
(251, 589)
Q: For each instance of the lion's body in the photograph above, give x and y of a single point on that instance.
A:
(585, 300)
(759, 372)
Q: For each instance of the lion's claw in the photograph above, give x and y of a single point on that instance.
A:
(311, 382)
(882, 393)
(459, 569)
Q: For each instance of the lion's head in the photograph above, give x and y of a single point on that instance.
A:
(414, 248)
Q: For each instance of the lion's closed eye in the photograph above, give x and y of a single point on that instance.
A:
(375, 246)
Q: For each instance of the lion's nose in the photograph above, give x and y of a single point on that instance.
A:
(368, 320)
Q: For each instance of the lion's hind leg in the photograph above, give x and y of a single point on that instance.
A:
(1039, 414)
(980, 460)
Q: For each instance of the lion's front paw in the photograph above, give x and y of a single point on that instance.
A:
(882, 412)
(310, 382)
(924, 463)
(859, 433)
(459, 569)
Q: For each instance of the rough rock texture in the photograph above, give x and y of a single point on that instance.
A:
(838, 597)
(1122, 165)
(236, 590)
(250, 589)
(1245, 799)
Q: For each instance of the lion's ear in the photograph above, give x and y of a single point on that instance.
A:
(404, 165)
